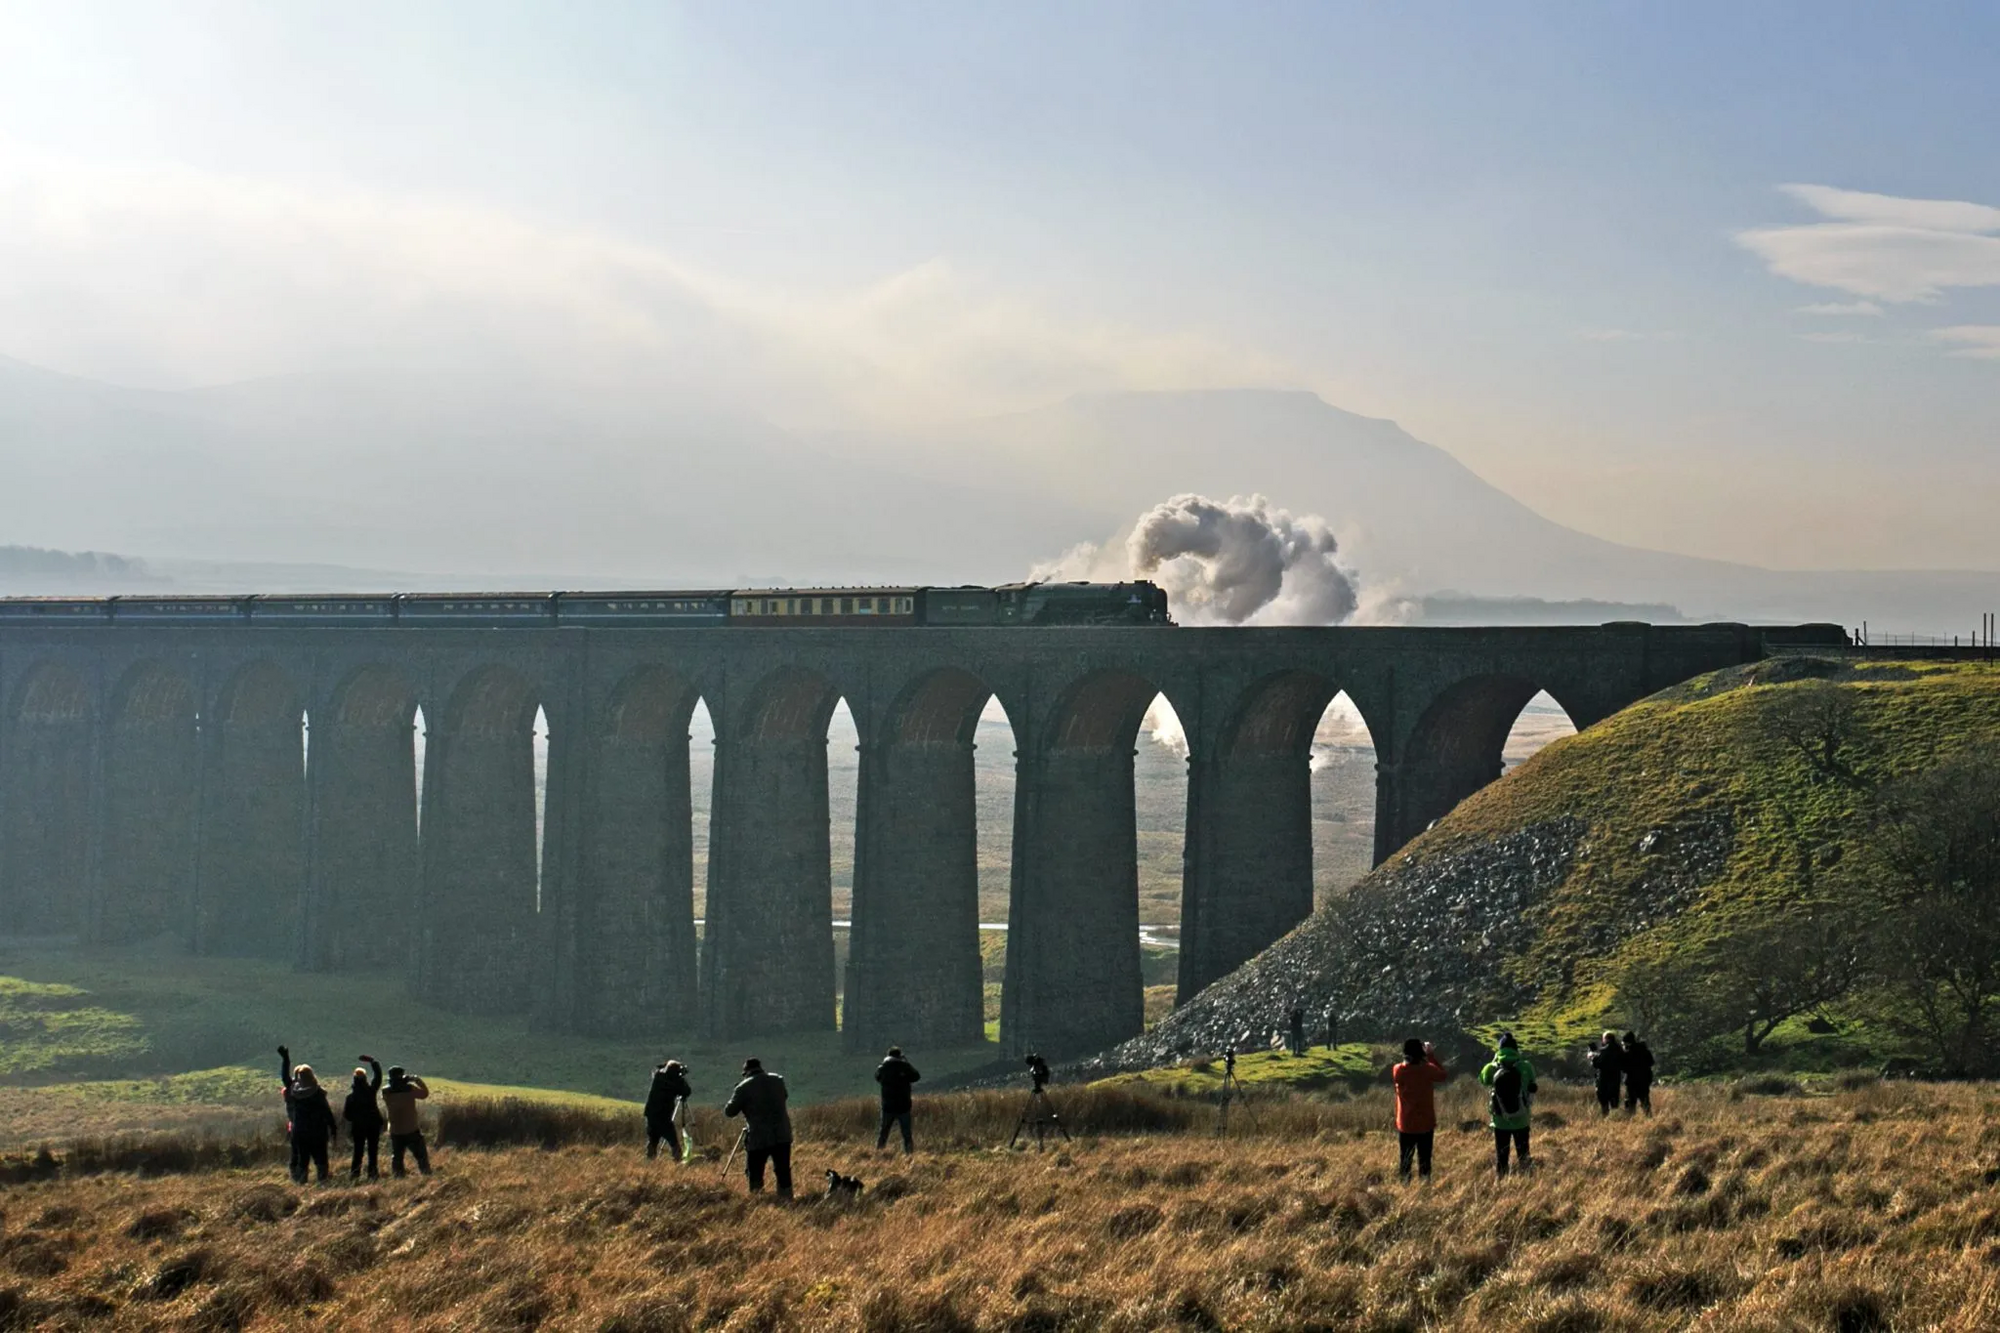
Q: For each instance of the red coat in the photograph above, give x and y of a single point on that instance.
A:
(1416, 1107)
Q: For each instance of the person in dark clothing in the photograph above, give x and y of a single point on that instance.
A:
(1608, 1059)
(767, 1136)
(1298, 1021)
(406, 1131)
(311, 1117)
(670, 1088)
(364, 1117)
(896, 1074)
(1638, 1074)
(1332, 1027)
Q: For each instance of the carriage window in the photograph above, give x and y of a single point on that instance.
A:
(847, 606)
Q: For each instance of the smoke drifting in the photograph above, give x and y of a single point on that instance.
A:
(1239, 561)
(1234, 561)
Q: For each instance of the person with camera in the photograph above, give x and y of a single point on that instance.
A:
(1512, 1079)
(896, 1074)
(1607, 1057)
(406, 1130)
(310, 1116)
(670, 1088)
(1416, 1080)
(767, 1126)
(364, 1117)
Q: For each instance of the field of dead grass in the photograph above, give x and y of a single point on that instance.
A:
(1873, 1208)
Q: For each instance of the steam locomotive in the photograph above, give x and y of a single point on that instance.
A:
(1138, 603)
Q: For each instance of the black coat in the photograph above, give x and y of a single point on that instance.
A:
(666, 1093)
(360, 1111)
(311, 1115)
(896, 1074)
(1609, 1061)
(760, 1099)
(1638, 1065)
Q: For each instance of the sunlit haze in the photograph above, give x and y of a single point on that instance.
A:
(1699, 278)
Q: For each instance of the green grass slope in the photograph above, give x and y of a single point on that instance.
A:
(1690, 814)
(156, 1037)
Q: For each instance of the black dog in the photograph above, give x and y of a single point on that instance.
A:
(845, 1188)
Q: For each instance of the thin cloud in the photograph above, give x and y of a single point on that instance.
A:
(99, 269)
(1881, 247)
(1839, 309)
(1611, 335)
(1892, 211)
(1841, 336)
(1979, 342)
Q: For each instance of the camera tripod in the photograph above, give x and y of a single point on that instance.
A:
(1231, 1091)
(1040, 1116)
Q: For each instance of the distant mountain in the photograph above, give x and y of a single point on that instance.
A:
(488, 478)
(483, 478)
(1410, 516)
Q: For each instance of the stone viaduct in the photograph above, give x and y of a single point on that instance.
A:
(152, 782)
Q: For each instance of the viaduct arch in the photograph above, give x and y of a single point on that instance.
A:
(254, 790)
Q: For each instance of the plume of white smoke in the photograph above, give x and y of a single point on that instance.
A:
(1222, 562)
(1241, 561)
(1163, 724)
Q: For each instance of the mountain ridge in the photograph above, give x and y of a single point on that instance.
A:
(481, 476)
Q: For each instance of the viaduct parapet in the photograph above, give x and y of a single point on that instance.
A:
(152, 782)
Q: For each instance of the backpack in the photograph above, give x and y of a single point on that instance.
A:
(1506, 1099)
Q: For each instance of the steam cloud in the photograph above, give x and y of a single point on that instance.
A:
(1226, 562)
(1223, 562)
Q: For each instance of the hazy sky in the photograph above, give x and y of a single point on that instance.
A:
(1722, 279)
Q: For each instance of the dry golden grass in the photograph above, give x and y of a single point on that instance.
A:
(1874, 1208)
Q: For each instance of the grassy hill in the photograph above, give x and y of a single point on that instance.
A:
(95, 1040)
(1691, 817)
(1725, 1213)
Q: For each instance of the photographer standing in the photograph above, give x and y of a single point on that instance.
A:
(896, 1074)
(767, 1135)
(1416, 1080)
(310, 1115)
(1512, 1079)
(669, 1089)
(364, 1117)
(1608, 1059)
(406, 1132)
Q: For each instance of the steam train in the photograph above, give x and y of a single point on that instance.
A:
(1138, 603)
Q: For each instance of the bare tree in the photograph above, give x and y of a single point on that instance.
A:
(1818, 723)
(1937, 854)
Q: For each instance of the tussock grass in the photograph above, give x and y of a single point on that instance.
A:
(1832, 1211)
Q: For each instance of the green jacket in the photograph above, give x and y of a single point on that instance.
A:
(1502, 1058)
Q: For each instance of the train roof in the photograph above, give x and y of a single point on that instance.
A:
(853, 591)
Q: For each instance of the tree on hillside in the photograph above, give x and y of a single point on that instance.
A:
(1817, 723)
(1936, 858)
(1750, 975)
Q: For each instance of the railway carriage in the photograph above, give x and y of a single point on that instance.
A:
(179, 610)
(802, 607)
(55, 611)
(642, 609)
(324, 609)
(1137, 603)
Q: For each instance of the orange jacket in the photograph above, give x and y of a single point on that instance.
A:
(1416, 1107)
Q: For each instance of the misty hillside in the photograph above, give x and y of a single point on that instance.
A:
(490, 478)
